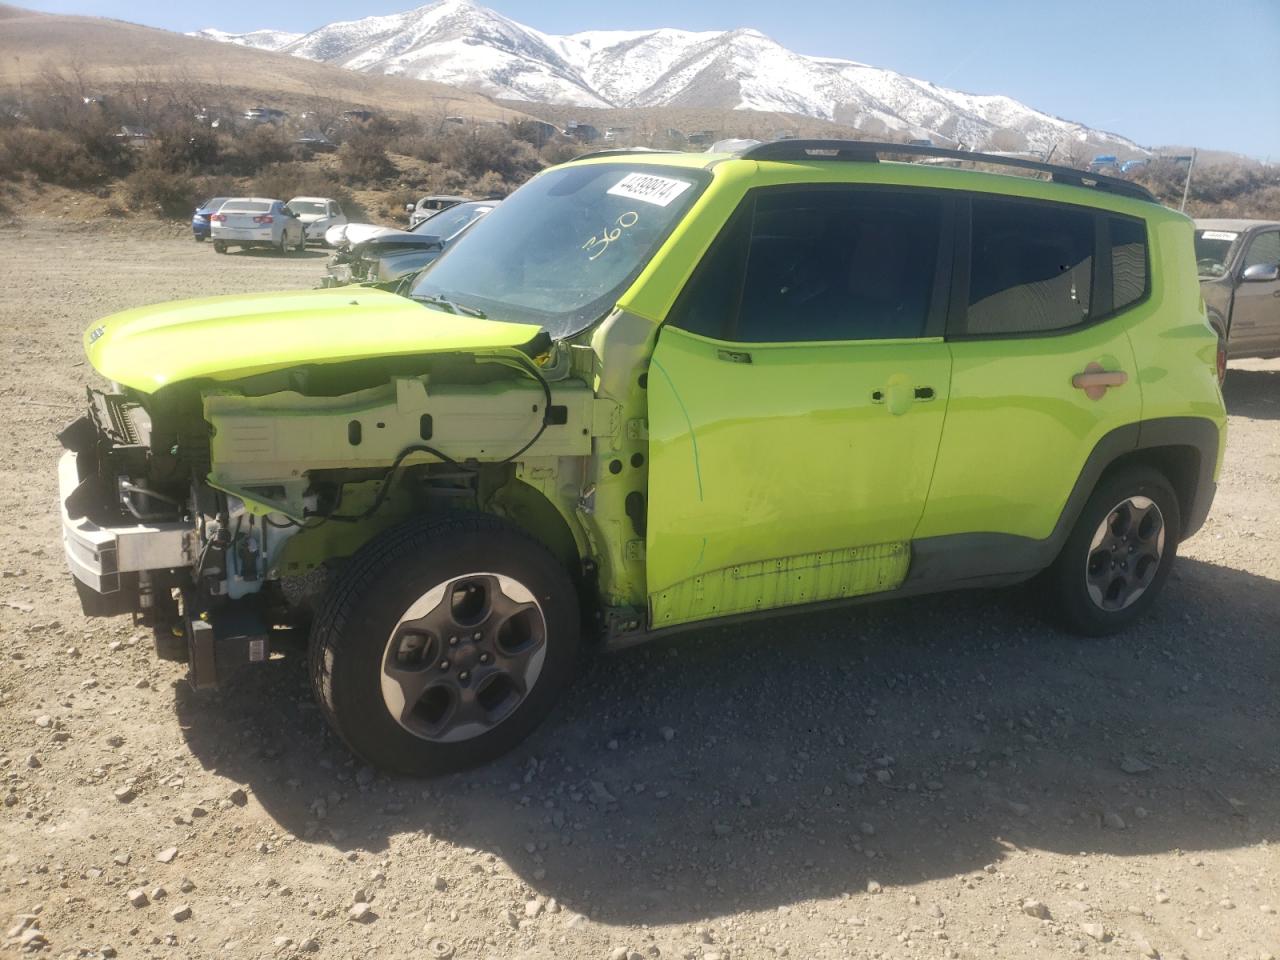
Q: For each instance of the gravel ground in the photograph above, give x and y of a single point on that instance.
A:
(946, 777)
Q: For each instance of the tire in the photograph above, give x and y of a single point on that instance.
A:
(199, 238)
(403, 699)
(219, 247)
(302, 243)
(1134, 515)
(283, 247)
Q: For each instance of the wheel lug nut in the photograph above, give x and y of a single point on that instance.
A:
(453, 641)
(475, 636)
(464, 676)
(484, 658)
(444, 664)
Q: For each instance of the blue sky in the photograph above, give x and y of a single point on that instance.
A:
(1180, 72)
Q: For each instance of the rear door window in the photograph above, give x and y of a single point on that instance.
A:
(1031, 267)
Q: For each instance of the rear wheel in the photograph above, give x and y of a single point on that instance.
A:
(282, 247)
(199, 238)
(444, 644)
(1116, 560)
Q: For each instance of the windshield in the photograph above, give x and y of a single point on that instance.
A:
(446, 223)
(1213, 251)
(299, 207)
(560, 250)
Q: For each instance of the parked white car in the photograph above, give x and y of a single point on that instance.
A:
(317, 214)
(256, 222)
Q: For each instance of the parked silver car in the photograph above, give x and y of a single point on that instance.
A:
(256, 222)
(389, 255)
(317, 214)
(428, 207)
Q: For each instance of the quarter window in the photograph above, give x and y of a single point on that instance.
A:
(827, 264)
(1265, 248)
(1031, 267)
(1128, 261)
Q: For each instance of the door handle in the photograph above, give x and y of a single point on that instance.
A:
(920, 393)
(1095, 381)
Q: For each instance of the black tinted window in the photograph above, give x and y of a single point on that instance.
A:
(1128, 261)
(1031, 267)
(821, 264)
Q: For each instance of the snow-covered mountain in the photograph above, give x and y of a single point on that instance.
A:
(261, 39)
(461, 43)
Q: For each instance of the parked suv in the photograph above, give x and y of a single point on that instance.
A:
(1239, 266)
(650, 392)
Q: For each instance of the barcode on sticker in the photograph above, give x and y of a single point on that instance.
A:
(648, 188)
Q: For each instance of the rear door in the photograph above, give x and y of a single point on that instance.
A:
(796, 400)
(1044, 297)
(1255, 315)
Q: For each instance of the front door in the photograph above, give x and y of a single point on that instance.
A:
(796, 401)
(1255, 314)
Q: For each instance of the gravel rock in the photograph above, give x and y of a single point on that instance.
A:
(125, 794)
(1035, 908)
(1133, 765)
(238, 797)
(1095, 931)
(166, 855)
(181, 913)
(361, 913)
(138, 897)
(1113, 821)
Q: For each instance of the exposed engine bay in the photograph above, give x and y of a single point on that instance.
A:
(214, 511)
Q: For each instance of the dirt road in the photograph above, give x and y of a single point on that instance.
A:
(946, 777)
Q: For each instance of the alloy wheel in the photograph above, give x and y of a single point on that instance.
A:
(463, 657)
(1125, 553)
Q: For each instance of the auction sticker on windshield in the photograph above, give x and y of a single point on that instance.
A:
(1218, 235)
(648, 188)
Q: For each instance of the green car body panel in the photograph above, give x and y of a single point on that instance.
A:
(769, 475)
(228, 338)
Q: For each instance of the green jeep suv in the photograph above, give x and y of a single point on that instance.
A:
(652, 391)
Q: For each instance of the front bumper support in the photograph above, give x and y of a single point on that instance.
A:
(105, 561)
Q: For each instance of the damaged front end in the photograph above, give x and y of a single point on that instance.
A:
(213, 507)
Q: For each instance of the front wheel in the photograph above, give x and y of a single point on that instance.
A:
(444, 644)
(219, 247)
(1117, 558)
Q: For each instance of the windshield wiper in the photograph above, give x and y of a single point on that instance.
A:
(451, 306)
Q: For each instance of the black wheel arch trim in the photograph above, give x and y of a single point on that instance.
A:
(955, 559)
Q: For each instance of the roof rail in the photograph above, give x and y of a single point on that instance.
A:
(619, 152)
(869, 151)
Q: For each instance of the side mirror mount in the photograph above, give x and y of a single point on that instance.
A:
(409, 208)
(1261, 273)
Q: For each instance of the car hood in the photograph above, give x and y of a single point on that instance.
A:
(353, 233)
(226, 338)
(388, 244)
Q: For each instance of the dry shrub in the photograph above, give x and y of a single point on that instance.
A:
(152, 189)
(57, 157)
(364, 157)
